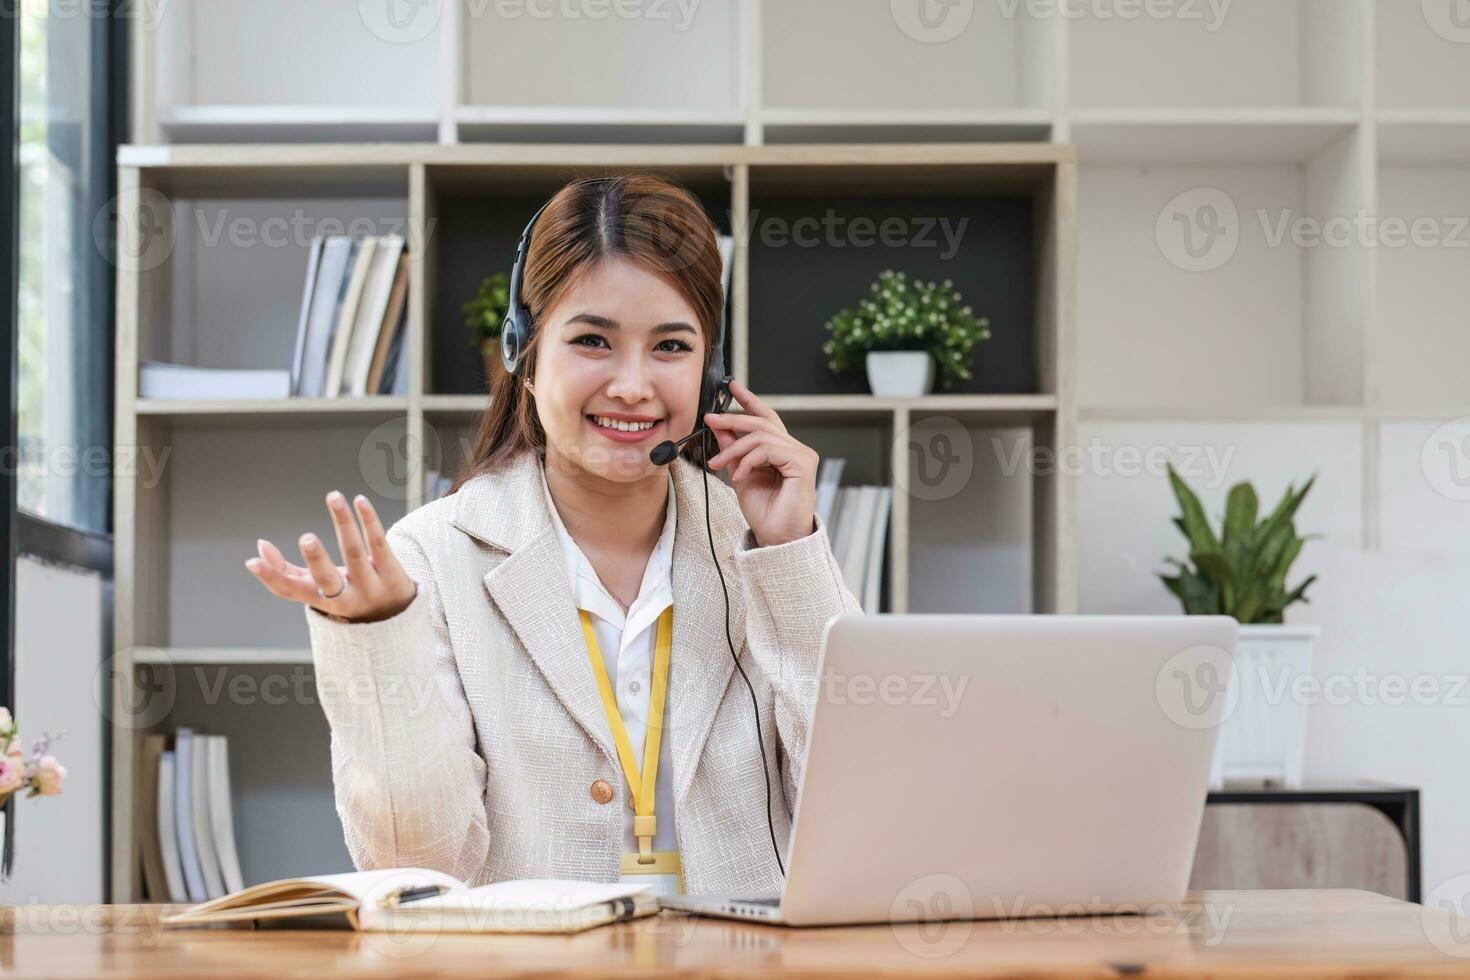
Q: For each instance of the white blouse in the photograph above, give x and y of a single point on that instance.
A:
(627, 645)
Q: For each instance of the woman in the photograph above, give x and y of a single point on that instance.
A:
(457, 654)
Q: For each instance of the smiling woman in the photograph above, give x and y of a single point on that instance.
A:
(564, 602)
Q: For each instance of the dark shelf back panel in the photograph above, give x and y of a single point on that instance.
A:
(796, 288)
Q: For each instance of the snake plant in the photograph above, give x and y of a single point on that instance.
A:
(1242, 571)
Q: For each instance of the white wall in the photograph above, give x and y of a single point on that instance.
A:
(59, 642)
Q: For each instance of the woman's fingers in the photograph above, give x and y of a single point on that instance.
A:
(753, 405)
(326, 575)
(386, 563)
(735, 448)
(282, 583)
(350, 540)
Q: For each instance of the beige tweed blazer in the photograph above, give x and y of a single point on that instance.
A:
(467, 730)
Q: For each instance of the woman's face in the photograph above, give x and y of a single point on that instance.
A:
(623, 344)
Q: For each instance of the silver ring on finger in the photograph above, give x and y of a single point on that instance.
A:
(339, 591)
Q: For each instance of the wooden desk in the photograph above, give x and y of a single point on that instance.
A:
(1245, 933)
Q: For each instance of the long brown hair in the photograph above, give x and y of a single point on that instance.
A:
(647, 218)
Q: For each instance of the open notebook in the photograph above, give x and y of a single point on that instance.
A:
(353, 899)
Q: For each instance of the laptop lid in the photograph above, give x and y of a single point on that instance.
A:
(983, 766)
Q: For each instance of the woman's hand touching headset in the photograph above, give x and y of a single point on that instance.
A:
(372, 585)
(774, 475)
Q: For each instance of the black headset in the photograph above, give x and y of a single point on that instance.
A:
(714, 396)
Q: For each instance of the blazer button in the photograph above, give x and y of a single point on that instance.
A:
(602, 791)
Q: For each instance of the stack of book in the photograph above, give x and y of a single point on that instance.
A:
(185, 820)
(857, 523)
(349, 333)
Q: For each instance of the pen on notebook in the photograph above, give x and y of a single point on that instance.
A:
(403, 895)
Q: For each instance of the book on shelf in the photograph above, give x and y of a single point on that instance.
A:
(185, 818)
(857, 526)
(352, 321)
(157, 379)
(365, 901)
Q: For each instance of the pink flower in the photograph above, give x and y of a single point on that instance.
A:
(49, 774)
(12, 774)
(7, 724)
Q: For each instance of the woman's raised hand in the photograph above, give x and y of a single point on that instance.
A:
(371, 586)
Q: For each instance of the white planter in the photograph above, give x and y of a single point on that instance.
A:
(1263, 739)
(900, 373)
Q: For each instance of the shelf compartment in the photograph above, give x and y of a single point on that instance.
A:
(232, 70)
(1218, 136)
(813, 252)
(975, 56)
(1422, 61)
(1423, 292)
(1299, 53)
(280, 762)
(1250, 318)
(221, 284)
(189, 484)
(648, 62)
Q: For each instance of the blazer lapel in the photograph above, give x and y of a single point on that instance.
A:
(700, 668)
(506, 509)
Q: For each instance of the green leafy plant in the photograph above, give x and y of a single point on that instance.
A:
(1242, 571)
(485, 314)
(908, 314)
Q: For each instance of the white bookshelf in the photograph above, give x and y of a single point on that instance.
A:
(246, 468)
(1302, 109)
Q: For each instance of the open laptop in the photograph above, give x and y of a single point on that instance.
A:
(1000, 766)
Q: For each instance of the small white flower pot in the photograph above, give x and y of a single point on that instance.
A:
(900, 373)
(1263, 740)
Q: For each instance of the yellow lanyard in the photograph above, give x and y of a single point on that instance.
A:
(641, 786)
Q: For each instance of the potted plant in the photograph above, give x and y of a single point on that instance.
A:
(39, 774)
(485, 317)
(1241, 572)
(901, 331)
